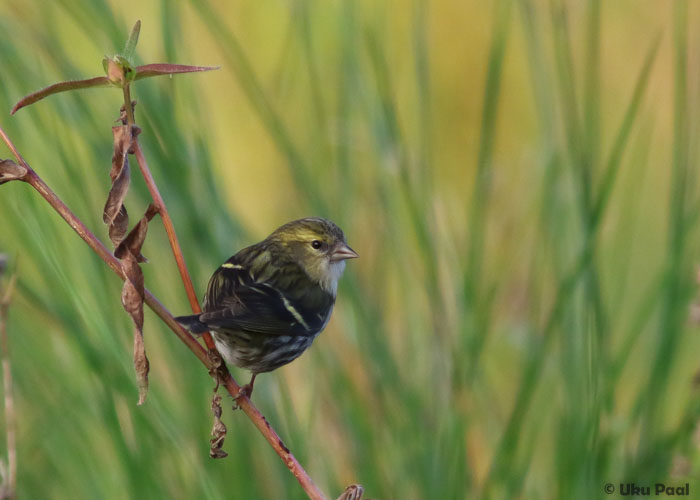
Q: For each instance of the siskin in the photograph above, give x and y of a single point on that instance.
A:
(267, 304)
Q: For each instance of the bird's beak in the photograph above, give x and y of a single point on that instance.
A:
(341, 252)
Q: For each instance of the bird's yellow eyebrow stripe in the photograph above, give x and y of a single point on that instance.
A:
(228, 265)
(294, 312)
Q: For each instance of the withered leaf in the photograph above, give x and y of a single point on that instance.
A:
(129, 251)
(134, 240)
(59, 87)
(10, 171)
(119, 226)
(132, 300)
(119, 174)
(141, 366)
(352, 492)
(121, 140)
(218, 432)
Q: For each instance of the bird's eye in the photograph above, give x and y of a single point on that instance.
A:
(316, 244)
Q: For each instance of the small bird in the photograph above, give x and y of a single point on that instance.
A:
(267, 304)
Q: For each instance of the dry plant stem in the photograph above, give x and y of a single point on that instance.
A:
(106, 255)
(231, 385)
(165, 216)
(170, 231)
(128, 109)
(10, 488)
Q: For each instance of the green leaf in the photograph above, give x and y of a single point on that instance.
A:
(132, 41)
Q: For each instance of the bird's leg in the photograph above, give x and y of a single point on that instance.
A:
(249, 387)
(246, 390)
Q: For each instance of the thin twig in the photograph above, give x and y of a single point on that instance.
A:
(9, 488)
(170, 231)
(33, 179)
(128, 108)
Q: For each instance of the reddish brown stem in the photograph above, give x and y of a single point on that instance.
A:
(169, 229)
(231, 385)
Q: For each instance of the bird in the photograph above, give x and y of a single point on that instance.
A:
(266, 304)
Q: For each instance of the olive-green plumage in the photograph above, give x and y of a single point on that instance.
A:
(266, 304)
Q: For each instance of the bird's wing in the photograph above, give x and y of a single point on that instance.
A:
(258, 308)
(235, 301)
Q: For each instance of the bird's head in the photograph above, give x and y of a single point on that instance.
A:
(318, 246)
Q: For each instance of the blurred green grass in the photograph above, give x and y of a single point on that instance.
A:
(518, 178)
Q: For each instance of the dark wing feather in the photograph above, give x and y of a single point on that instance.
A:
(235, 301)
(256, 308)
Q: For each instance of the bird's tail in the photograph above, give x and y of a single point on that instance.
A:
(192, 323)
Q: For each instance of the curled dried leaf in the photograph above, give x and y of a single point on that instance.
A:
(129, 251)
(132, 300)
(10, 171)
(124, 118)
(141, 365)
(134, 240)
(114, 212)
(216, 364)
(121, 139)
(119, 226)
(218, 432)
(98, 81)
(352, 492)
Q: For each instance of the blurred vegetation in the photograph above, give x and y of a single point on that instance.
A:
(518, 177)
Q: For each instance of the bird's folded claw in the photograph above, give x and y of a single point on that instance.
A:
(246, 391)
